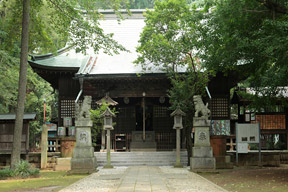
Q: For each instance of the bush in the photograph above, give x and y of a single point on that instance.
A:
(7, 172)
(23, 169)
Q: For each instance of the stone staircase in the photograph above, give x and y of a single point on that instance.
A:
(163, 158)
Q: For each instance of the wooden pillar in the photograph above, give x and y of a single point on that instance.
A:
(144, 134)
(27, 141)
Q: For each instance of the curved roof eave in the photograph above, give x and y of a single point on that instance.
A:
(64, 59)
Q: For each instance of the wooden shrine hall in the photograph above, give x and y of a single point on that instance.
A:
(143, 105)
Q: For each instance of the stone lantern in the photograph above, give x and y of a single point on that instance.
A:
(108, 125)
(178, 114)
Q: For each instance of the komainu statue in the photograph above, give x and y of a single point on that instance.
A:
(83, 110)
(200, 108)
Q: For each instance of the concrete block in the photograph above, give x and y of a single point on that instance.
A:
(200, 163)
(82, 152)
(63, 161)
(63, 164)
(83, 165)
(202, 152)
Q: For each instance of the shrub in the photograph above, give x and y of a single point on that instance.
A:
(23, 169)
(4, 173)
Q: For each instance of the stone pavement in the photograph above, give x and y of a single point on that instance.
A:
(144, 179)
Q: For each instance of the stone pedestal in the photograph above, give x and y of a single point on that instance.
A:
(202, 153)
(83, 160)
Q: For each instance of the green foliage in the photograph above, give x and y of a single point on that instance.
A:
(184, 87)
(248, 33)
(36, 89)
(141, 4)
(5, 173)
(167, 43)
(98, 120)
(23, 170)
(55, 23)
(52, 24)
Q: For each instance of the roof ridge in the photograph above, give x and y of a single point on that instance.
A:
(48, 55)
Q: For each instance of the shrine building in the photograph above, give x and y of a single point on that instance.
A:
(142, 100)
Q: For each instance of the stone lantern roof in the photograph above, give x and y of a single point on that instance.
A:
(177, 111)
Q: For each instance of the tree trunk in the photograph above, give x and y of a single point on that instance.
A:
(16, 151)
(188, 131)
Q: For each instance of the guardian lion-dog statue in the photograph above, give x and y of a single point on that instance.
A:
(200, 108)
(83, 110)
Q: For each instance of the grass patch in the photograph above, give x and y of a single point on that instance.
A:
(54, 179)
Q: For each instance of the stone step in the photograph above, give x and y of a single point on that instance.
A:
(141, 158)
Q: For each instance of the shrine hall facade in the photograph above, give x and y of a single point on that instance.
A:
(142, 100)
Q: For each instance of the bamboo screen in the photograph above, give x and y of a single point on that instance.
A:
(276, 121)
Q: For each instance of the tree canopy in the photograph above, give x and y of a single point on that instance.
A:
(250, 33)
(167, 42)
(49, 24)
(222, 35)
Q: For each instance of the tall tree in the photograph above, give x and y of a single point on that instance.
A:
(77, 22)
(167, 42)
(250, 33)
(15, 156)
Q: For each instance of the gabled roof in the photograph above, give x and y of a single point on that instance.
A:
(127, 33)
(9, 116)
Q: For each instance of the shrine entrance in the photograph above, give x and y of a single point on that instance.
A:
(142, 116)
(136, 124)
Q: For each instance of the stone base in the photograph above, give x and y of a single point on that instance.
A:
(83, 160)
(178, 166)
(202, 163)
(83, 152)
(83, 165)
(108, 167)
(202, 159)
(202, 152)
(63, 164)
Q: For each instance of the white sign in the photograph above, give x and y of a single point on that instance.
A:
(247, 133)
(242, 147)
